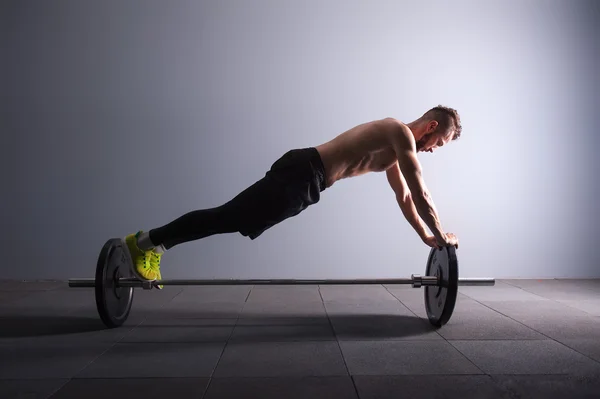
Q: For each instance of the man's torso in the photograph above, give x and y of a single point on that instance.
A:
(362, 149)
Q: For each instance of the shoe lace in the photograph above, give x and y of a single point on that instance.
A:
(154, 260)
(143, 261)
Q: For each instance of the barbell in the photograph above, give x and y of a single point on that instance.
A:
(114, 283)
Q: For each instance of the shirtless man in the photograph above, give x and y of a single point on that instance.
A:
(296, 180)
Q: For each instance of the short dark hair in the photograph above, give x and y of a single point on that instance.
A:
(447, 118)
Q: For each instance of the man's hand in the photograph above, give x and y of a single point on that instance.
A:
(450, 241)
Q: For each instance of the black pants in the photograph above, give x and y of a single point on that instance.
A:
(293, 183)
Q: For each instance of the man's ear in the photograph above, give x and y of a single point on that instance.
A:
(431, 126)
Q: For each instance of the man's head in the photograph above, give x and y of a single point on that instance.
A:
(436, 127)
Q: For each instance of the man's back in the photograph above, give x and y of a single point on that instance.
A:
(364, 148)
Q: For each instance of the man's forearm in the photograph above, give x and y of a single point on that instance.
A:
(412, 216)
(426, 210)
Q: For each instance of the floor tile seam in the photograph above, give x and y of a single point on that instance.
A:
(237, 319)
(108, 348)
(511, 318)
(458, 374)
(576, 351)
(402, 303)
(266, 377)
(51, 394)
(548, 299)
(443, 338)
(54, 392)
(533, 329)
(573, 307)
(99, 378)
(111, 346)
(436, 331)
(338, 344)
(462, 354)
(316, 341)
(541, 296)
(160, 307)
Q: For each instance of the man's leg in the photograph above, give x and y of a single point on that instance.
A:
(237, 215)
(192, 226)
(255, 209)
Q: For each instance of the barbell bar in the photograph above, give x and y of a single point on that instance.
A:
(416, 281)
(115, 281)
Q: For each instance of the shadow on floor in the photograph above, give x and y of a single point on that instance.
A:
(293, 326)
(252, 327)
(16, 326)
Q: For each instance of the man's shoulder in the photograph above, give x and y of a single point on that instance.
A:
(396, 122)
(395, 127)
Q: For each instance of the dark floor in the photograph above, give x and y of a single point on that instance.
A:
(521, 338)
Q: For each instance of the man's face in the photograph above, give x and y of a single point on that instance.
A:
(432, 141)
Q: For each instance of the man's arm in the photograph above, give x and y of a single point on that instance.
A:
(404, 198)
(404, 144)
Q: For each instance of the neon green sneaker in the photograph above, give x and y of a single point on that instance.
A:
(154, 262)
(140, 259)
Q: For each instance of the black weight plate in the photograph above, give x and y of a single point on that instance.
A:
(113, 302)
(440, 300)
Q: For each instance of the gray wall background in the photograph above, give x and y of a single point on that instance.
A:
(123, 115)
